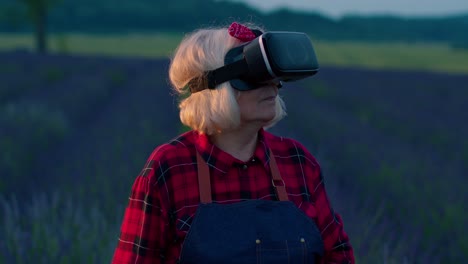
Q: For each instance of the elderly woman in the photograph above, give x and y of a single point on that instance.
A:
(228, 191)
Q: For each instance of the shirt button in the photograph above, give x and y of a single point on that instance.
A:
(245, 167)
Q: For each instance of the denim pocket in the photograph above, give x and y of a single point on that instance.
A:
(287, 251)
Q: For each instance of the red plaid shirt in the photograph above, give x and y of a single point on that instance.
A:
(165, 195)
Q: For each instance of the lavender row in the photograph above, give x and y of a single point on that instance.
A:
(392, 153)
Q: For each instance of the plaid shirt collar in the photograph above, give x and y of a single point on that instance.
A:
(223, 161)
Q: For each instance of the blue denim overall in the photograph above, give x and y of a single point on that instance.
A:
(255, 231)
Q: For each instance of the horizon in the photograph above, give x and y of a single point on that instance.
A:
(340, 8)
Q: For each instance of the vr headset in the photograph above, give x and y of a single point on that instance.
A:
(272, 57)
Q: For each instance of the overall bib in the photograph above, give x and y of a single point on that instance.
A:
(254, 231)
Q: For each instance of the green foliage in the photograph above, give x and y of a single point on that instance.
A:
(460, 45)
(418, 56)
(186, 15)
(35, 8)
(12, 16)
(37, 12)
(62, 44)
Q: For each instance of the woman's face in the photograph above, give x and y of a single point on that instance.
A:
(258, 105)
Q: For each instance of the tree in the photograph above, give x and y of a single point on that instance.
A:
(37, 12)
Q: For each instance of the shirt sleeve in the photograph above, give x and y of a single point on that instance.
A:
(142, 235)
(337, 246)
(338, 249)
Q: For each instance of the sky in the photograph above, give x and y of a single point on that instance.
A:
(337, 8)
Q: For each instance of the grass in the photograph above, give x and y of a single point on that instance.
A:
(146, 45)
(409, 56)
(415, 56)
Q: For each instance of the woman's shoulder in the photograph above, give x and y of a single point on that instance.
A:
(284, 146)
(177, 149)
(275, 141)
(165, 160)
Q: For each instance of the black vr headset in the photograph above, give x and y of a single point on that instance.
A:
(272, 57)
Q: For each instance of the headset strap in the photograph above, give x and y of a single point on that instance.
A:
(213, 78)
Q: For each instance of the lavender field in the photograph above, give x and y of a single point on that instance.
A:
(76, 130)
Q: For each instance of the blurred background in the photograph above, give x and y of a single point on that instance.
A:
(85, 98)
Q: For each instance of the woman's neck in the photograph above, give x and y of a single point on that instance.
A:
(240, 143)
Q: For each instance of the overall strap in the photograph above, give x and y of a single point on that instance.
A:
(276, 180)
(204, 183)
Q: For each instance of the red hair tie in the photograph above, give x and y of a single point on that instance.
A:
(241, 32)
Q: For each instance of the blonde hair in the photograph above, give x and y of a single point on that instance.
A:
(211, 110)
